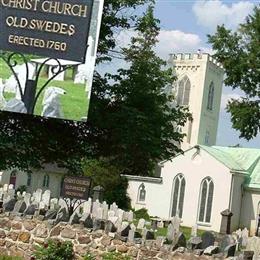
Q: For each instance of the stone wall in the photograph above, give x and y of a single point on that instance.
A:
(19, 236)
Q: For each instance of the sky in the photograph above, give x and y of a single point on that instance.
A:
(184, 28)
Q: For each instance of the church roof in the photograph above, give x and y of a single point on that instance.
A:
(246, 160)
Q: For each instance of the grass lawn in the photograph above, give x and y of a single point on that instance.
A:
(74, 103)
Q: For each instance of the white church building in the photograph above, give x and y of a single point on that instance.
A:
(206, 180)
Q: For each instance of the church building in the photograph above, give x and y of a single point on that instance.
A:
(207, 179)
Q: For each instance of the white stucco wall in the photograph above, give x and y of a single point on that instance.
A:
(159, 196)
(250, 210)
(36, 181)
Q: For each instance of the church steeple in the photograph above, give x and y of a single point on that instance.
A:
(199, 86)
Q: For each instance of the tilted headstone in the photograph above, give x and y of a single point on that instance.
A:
(208, 239)
(99, 213)
(230, 250)
(5, 187)
(51, 214)
(19, 207)
(109, 227)
(75, 218)
(180, 241)
(211, 250)
(86, 220)
(176, 221)
(62, 216)
(31, 209)
(131, 235)
(195, 242)
(98, 224)
(125, 229)
(8, 206)
(226, 241)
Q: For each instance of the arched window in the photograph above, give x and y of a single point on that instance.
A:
(210, 96)
(183, 96)
(46, 181)
(178, 190)
(206, 198)
(29, 179)
(141, 193)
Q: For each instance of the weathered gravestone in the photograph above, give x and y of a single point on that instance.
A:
(125, 228)
(226, 241)
(170, 233)
(110, 227)
(51, 214)
(46, 197)
(75, 218)
(195, 242)
(180, 241)
(141, 223)
(8, 206)
(31, 209)
(208, 239)
(19, 207)
(87, 221)
(244, 237)
(98, 224)
(149, 235)
(254, 245)
(62, 216)
(230, 250)
(211, 250)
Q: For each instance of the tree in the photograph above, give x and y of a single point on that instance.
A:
(239, 52)
(131, 109)
(27, 142)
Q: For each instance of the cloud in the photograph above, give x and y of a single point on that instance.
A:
(169, 41)
(212, 13)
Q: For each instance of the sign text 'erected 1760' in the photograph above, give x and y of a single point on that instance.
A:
(51, 28)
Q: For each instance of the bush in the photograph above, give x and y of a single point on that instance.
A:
(142, 213)
(54, 250)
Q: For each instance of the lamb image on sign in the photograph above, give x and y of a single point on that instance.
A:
(47, 56)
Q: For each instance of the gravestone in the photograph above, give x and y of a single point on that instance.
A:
(86, 220)
(180, 241)
(149, 235)
(31, 209)
(141, 223)
(54, 203)
(194, 230)
(27, 198)
(74, 219)
(230, 250)
(96, 206)
(125, 229)
(51, 214)
(19, 207)
(208, 239)
(225, 221)
(105, 210)
(131, 235)
(244, 236)
(62, 216)
(87, 206)
(46, 197)
(99, 213)
(225, 242)
(38, 196)
(254, 245)
(8, 206)
(111, 214)
(109, 227)
(211, 250)
(130, 216)
(195, 242)
(98, 224)
(170, 232)
(248, 255)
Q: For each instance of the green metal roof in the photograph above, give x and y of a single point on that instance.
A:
(238, 159)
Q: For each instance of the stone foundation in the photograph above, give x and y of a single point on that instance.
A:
(19, 236)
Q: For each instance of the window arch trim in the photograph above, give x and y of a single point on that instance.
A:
(177, 203)
(141, 195)
(206, 218)
(183, 91)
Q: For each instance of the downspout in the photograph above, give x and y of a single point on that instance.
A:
(231, 193)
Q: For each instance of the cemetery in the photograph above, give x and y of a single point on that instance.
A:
(96, 228)
(150, 136)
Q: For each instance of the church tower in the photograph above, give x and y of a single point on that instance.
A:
(199, 86)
